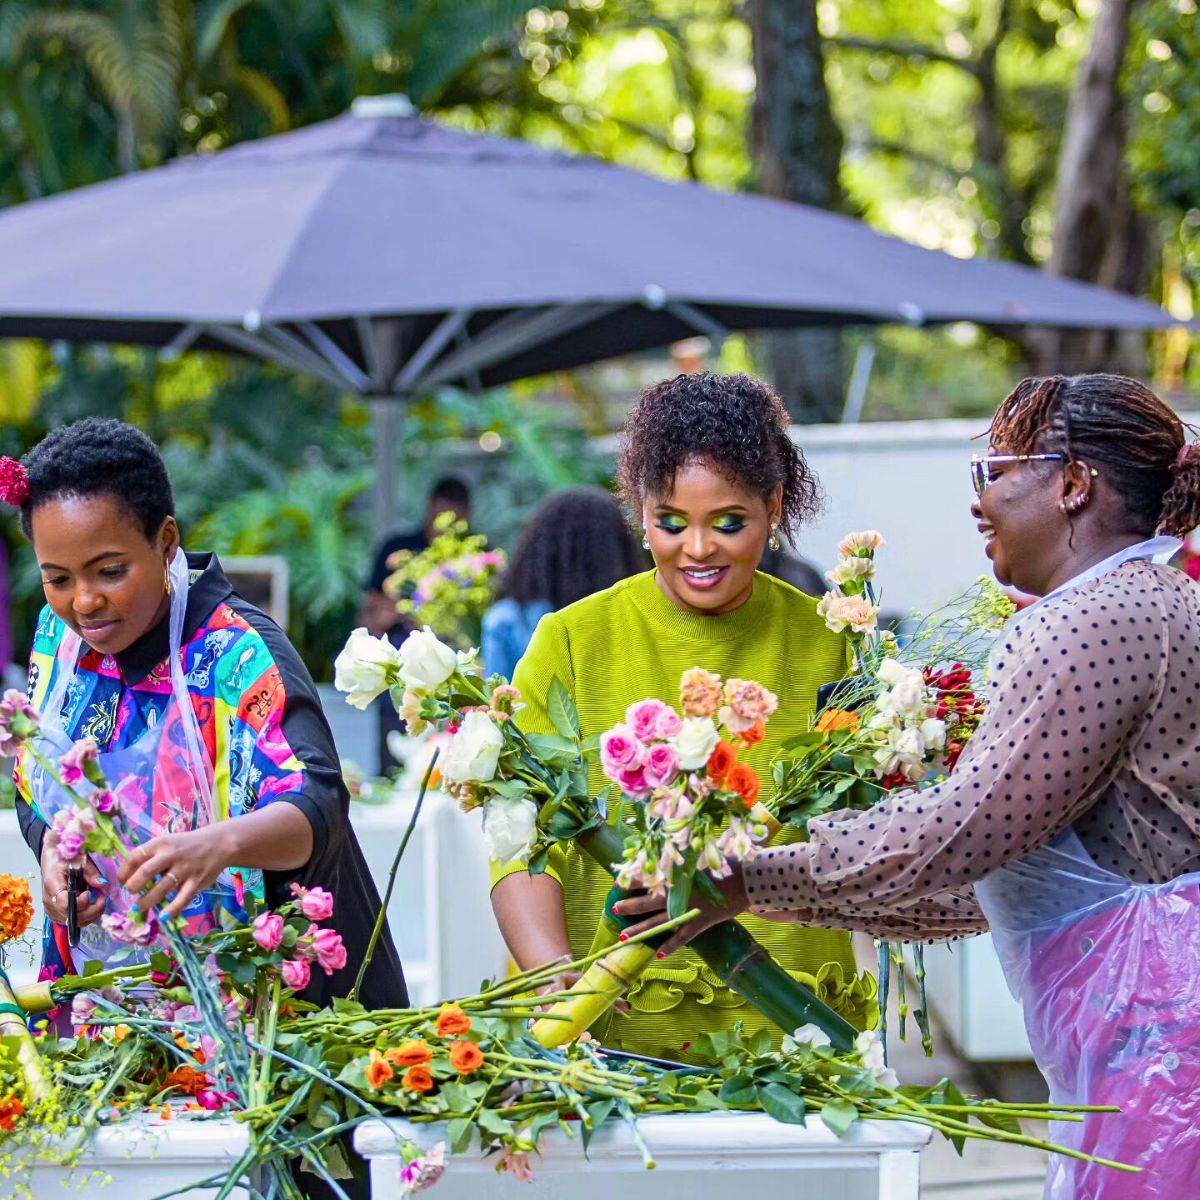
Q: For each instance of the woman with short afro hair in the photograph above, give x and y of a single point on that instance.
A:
(712, 477)
(196, 696)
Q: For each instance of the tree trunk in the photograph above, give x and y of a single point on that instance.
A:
(1097, 235)
(797, 150)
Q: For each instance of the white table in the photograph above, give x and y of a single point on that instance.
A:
(143, 1157)
(703, 1154)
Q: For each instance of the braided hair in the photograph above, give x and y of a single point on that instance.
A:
(99, 457)
(735, 422)
(1115, 423)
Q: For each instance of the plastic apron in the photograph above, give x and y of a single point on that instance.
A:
(1106, 971)
(164, 778)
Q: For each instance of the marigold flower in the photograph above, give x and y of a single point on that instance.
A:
(742, 780)
(836, 718)
(720, 761)
(11, 1109)
(378, 1071)
(409, 1054)
(466, 1057)
(16, 907)
(187, 1080)
(452, 1021)
(417, 1079)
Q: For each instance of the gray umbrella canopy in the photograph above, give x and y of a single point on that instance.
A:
(387, 254)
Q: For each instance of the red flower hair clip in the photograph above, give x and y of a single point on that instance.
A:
(14, 482)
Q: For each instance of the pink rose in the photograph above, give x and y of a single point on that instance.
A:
(633, 783)
(83, 1007)
(642, 718)
(668, 723)
(620, 751)
(662, 765)
(131, 792)
(315, 903)
(295, 973)
(327, 948)
(268, 931)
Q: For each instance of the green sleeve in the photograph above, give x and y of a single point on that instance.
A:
(547, 656)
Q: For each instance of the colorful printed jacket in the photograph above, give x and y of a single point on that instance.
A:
(262, 725)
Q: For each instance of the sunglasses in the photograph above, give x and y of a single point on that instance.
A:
(981, 465)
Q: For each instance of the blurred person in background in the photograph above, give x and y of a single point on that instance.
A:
(378, 610)
(577, 542)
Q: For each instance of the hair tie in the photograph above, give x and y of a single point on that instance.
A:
(1186, 453)
(14, 482)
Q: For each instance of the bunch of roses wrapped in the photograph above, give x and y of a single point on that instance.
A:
(691, 796)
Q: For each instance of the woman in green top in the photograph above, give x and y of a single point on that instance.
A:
(708, 465)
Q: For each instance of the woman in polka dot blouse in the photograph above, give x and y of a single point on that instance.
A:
(1071, 824)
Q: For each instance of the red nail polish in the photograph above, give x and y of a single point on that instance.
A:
(660, 954)
(623, 938)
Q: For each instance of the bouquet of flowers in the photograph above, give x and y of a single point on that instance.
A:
(692, 802)
(450, 584)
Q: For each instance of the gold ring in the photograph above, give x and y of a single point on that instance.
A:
(173, 878)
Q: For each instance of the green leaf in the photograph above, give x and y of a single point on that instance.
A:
(760, 1043)
(782, 1103)
(538, 860)
(988, 1116)
(459, 1132)
(563, 713)
(553, 750)
(493, 1122)
(456, 1096)
(839, 1115)
(740, 1090)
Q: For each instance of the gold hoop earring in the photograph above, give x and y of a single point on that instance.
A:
(773, 541)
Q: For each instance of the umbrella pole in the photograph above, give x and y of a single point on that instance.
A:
(386, 412)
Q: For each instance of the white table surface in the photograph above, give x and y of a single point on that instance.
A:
(703, 1153)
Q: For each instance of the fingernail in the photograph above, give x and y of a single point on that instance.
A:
(623, 938)
(617, 909)
(660, 954)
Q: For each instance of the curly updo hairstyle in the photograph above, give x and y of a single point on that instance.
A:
(100, 457)
(1117, 425)
(735, 422)
(576, 542)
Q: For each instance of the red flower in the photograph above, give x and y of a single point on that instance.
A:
(14, 482)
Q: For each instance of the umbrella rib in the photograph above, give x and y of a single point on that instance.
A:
(250, 343)
(490, 346)
(697, 319)
(301, 352)
(449, 326)
(328, 349)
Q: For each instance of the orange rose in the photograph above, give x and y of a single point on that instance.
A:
(753, 735)
(452, 1021)
(409, 1054)
(836, 718)
(466, 1057)
(378, 1072)
(417, 1079)
(742, 779)
(720, 761)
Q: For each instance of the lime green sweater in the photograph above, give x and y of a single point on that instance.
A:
(628, 643)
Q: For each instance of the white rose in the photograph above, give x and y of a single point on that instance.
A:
(695, 742)
(426, 662)
(365, 668)
(907, 697)
(474, 750)
(508, 829)
(933, 733)
(870, 1049)
(806, 1035)
(849, 569)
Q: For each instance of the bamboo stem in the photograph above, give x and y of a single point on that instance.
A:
(33, 1070)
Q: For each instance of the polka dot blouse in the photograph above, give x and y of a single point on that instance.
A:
(1093, 721)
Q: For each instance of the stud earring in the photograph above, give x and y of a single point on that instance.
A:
(773, 541)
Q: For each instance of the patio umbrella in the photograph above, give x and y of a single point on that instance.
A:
(388, 255)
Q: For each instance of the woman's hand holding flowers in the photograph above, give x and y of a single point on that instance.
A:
(182, 864)
(54, 886)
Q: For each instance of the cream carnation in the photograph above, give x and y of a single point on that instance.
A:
(847, 612)
(699, 693)
(866, 541)
(851, 569)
